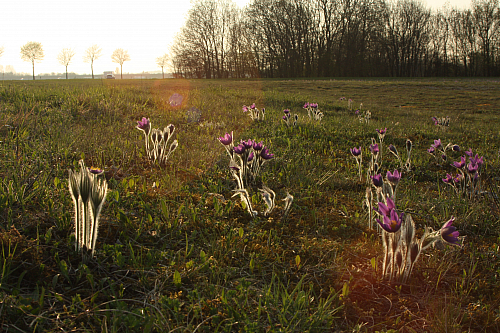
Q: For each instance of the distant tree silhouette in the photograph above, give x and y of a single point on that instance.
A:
(64, 58)
(93, 53)
(119, 56)
(32, 52)
(162, 62)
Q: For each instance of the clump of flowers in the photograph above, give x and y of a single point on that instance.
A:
(407, 165)
(88, 192)
(438, 150)
(156, 141)
(364, 116)
(313, 112)
(287, 118)
(246, 161)
(467, 181)
(441, 122)
(254, 112)
(401, 248)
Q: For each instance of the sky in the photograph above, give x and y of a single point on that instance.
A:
(146, 29)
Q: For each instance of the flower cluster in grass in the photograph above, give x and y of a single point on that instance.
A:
(88, 192)
(439, 151)
(254, 112)
(441, 122)
(467, 180)
(401, 248)
(246, 161)
(287, 118)
(156, 141)
(374, 180)
(313, 112)
(407, 165)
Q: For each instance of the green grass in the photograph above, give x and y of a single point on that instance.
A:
(174, 258)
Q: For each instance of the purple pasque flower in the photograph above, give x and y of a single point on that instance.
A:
(477, 160)
(472, 167)
(239, 149)
(458, 178)
(431, 150)
(227, 139)
(460, 164)
(356, 151)
(448, 179)
(250, 157)
(393, 177)
(377, 180)
(381, 131)
(392, 222)
(434, 119)
(265, 154)
(285, 118)
(144, 125)
(253, 107)
(469, 152)
(393, 150)
(384, 209)
(286, 111)
(314, 105)
(374, 149)
(258, 146)
(437, 143)
(455, 148)
(248, 144)
(95, 171)
(356, 112)
(449, 233)
(306, 105)
(245, 108)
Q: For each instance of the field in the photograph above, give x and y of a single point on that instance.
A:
(177, 252)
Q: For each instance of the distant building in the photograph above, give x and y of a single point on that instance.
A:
(108, 75)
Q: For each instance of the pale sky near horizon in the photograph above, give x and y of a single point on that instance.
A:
(145, 28)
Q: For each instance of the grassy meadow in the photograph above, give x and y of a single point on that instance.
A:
(177, 253)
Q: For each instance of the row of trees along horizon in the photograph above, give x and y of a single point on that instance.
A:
(33, 52)
(325, 38)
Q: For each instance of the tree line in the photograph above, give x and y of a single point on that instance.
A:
(325, 38)
(33, 52)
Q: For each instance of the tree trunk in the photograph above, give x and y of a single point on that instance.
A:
(33, 70)
(66, 72)
(162, 75)
(121, 72)
(92, 68)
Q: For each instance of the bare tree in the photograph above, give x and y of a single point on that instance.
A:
(119, 56)
(64, 58)
(32, 52)
(93, 53)
(162, 62)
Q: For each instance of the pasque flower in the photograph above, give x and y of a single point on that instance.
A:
(227, 139)
(460, 164)
(384, 209)
(355, 151)
(377, 180)
(239, 149)
(449, 233)
(374, 149)
(448, 179)
(265, 154)
(393, 177)
(144, 125)
(381, 131)
(391, 223)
